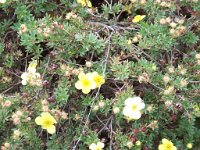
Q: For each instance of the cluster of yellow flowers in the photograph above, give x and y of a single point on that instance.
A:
(98, 146)
(47, 121)
(133, 107)
(89, 81)
(85, 3)
(31, 76)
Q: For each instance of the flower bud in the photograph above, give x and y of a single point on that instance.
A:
(23, 28)
(88, 64)
(182, 29)
(143, 78)
(139, 36)
(173, 24)
(163, 21)
(183, 83)
(135, 40)
(64, 115)
(7, 103)
(181, 21)
(163, 4)
(77, 117)
(168, 103)
(171, 69)
(166, 79)
(197, 56)
(189, 145)
(16, 121)
(39, 30)
(168, 19)
(28, 118)
(19, 113)
(7, 145)
(129, 144)
(44, 102)
(129, 42)
(95, 108)
(169, 90)
(16, 134)
(138, 143)
(116, 110)
(172, 31)
(157, 1)
(143, 2)
(150, 108)
(198, 62)
(101, 104)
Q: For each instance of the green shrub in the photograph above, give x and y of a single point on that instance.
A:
(83, 74)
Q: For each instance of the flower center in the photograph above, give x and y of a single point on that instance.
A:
(134, 107)
(168, 146)
(47, 123)
(98, 148)
(86, 82)
(97, 79)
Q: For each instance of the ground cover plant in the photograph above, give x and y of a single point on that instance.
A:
(99, 74)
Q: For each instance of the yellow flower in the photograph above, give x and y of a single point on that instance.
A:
(98, 146)
(166, 145)
(133, 107)
(25, 78)
(85, 82)
(138, 18)
(99, 80)
(32, 66)
(47, 121)
(189, 145)
(31, 76)
(2, 1)
(85, 3)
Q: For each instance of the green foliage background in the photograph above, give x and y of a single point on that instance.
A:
(100, 35)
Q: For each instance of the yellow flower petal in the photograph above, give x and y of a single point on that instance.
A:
(161, 147)
(135, 115)
(24, 82)
(39, 120)
(81, 76)
(165, 141)
(92, 146)
(89, 4)
(86, 90)
(174, 148)
(24, 75)
(48, 116)
(78, 85)
(51, 129)
(100, 144)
